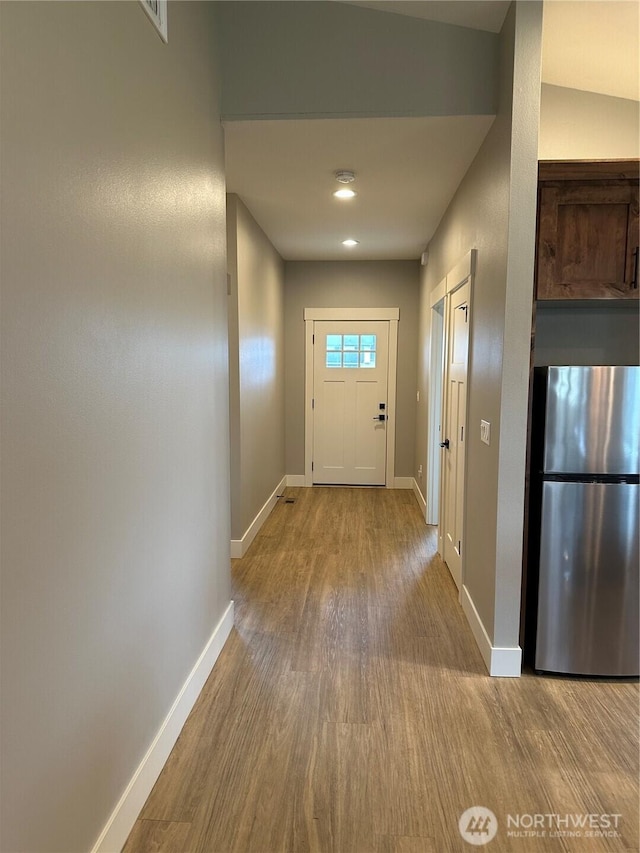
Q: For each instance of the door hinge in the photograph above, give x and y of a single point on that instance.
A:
(459, 547)
(313, 403)
(312, 466)
(313, 339)
(461, 433)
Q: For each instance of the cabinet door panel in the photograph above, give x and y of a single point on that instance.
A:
(588, 241)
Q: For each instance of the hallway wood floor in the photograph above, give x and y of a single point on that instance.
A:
(350, 709)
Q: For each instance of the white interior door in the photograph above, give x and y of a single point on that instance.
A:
(454, 431)
(350, 378)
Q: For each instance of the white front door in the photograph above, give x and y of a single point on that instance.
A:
(350, 377)
(454, 430)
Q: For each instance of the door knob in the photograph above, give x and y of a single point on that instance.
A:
(445, 443)
(380, 418)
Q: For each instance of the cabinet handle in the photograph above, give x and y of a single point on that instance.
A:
(634, 280)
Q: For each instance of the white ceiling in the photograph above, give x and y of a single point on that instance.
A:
(408, 169)
(593, 46)
(477, 14)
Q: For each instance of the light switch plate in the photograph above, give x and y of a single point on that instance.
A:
(485, 432)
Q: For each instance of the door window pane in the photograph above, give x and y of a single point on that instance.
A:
(351, 351)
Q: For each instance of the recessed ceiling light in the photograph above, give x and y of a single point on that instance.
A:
(345, 193)
(350, 242)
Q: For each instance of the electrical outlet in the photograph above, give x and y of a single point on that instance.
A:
(417, 396)
(485, 432)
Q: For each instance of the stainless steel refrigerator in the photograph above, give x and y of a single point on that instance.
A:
(586, 453)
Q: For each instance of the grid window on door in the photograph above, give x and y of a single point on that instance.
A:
(351, 351)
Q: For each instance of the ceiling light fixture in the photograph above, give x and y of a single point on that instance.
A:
(345, 176)
(345, 193)
(350, 242)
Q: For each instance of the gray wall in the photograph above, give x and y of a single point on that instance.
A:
(115, 482)
(257, 381)
(234, 368)
(423, 380)
(604, 333)
(578, 125)
(350, 61)
(494, 211)
(352, 284)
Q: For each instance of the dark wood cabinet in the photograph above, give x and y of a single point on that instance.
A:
(587, 246)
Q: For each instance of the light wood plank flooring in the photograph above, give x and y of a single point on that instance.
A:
(350, 709)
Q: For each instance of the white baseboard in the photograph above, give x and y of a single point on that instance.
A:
(299, 480)
(125, 814)
(239, 547)
(236, 548)
(504, 662)
(403, 482)
(419, 497)
(296, 480)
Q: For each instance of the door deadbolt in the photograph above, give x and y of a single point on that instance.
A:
(445, 443)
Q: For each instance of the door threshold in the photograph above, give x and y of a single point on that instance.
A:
(349, 486)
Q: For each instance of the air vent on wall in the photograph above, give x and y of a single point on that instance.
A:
(157, 12)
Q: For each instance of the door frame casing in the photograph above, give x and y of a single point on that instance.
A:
(392, 315)
(462, 273)
(437, 332)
